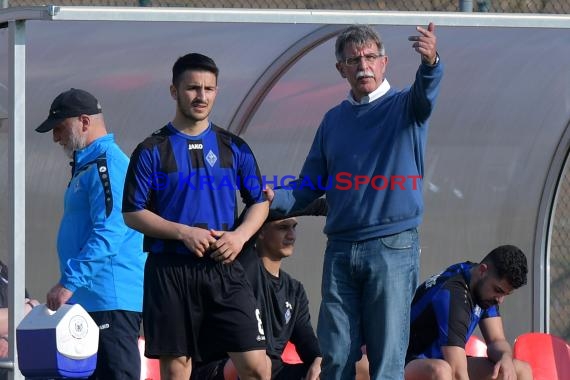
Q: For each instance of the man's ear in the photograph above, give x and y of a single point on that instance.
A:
(340, 69)
(85, 122)
(260, 233)
(173, 91)
(483, 268)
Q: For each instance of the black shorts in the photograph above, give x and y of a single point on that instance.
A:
(189, 302)
(118, 355)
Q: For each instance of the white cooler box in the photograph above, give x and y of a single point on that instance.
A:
(61, 344)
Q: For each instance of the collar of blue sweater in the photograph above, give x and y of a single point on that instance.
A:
(381, 90)
(93, 150)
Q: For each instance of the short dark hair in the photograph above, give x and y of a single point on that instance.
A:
(193, 61)
(508, 262)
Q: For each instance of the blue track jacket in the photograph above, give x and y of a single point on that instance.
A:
(100, 258)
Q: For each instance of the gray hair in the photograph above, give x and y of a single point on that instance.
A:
(358, 35)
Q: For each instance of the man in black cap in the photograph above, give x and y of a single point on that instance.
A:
(100, 258)
(70, 105)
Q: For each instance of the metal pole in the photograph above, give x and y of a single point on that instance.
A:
(17, 185)
(466, 5)
(5, 4)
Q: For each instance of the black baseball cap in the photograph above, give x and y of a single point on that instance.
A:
(71, 103)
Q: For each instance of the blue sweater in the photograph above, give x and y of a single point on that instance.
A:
(100, 258)
(369, 161)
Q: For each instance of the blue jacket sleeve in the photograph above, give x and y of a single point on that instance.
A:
(106, 232)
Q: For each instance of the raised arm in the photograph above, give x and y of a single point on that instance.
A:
(425, 89)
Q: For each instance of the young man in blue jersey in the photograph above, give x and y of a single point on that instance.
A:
(448, 307)
(181, 193)
(101, 259)
(364, 148)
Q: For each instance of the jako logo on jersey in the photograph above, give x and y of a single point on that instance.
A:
(195, 146)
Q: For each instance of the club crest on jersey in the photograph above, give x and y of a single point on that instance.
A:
(211, 158)
(289, 308)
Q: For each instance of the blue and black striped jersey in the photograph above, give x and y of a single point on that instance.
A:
(191, 180)
(444, 313)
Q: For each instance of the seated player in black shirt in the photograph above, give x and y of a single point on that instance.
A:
(282, 303)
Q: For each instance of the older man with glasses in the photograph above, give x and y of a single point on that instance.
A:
(374, 141)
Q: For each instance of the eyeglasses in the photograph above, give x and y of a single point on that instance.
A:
(369, 58)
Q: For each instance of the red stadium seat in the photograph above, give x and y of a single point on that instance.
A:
(150, 368)
(290, 355)
(476, 347)
(547, 354)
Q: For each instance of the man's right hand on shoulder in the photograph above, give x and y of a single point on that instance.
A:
(269, 194)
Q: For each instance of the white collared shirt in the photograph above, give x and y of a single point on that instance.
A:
(381, 90)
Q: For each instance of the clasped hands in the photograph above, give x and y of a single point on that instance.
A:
(221, 246)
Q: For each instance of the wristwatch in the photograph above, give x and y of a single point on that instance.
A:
(436, 60)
